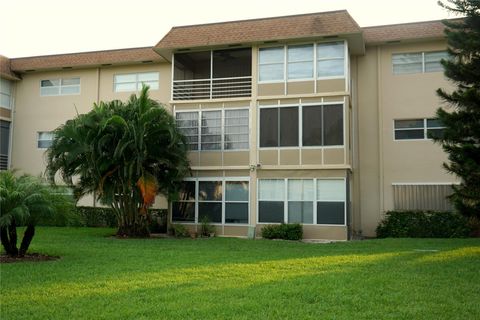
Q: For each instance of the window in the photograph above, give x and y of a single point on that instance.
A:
(5, 93)
(222, 200)
(271, 64)
(45, 139)
(134, 81)
(330, 60)
(300, 62)
(307, 201)
(60, 87)
(417, 129)
(418, 62)
(183, 210)
(4, 144)
(217, 130)
(422, 196)
(322, 125)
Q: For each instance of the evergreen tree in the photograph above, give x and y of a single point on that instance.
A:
(461, 138)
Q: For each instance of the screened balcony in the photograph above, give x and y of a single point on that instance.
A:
(212, 74)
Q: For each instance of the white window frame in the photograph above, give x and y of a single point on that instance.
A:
(425, 129)
(314, 62)
(287, 65)
(8, 94)
(285, 201)
(422, 53)
(224, 180)
(300, 125)
(44, 140)
(137, 81)
(222, 148)
(60, 86)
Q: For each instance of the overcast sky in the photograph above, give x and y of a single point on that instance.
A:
(40, 27)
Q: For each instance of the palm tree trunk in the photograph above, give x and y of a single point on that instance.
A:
(6, 241)
(27, 239)
(8, 236)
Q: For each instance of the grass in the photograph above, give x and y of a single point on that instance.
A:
(100, 277)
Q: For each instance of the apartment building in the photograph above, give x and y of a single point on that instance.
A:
(307, 118)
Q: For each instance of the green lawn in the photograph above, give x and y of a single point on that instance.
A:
(100, 277)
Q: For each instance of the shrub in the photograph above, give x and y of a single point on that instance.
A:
(158, 220)
(206, 228)
(285, 231)
(97, 216)
(423, 224)
(179, 230)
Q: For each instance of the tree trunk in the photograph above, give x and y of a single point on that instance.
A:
(12, 235)
(27, 239)
(6, 241)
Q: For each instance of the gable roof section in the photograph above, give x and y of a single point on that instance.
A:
(259, 30)
(406, 31)
(83, 59)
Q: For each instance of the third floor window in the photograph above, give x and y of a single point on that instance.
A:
(418, 62)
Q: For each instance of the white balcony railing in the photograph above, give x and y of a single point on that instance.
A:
(212, 88)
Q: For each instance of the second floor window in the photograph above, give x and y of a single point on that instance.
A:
(5, 93)
(216, 129)
(44, 139)
(134, 81)
(60, 87)
(418, 129)
(418, 62)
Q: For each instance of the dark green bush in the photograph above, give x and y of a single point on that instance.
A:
(179, 230)
(285, 231)
(423, 224)
(98, 216)
(158, 220)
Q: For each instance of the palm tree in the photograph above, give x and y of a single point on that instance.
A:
(125, 154)
(23, 201)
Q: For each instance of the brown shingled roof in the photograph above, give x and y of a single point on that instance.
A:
(5, 70)
(405, 31)
(85, 59)
(258, 30)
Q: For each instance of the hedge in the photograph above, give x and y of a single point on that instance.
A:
(423, 224)
(285, 231)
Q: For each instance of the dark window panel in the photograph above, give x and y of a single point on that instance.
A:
(211, 210)
(404, 124)
(409, 134)
(269, 127)
(312, 126)
(300, 212)
(187, 191)
(289, 127)
(333, 125)
(435, 133)
(236, 212)
(232, 63)
(210, 190)
(331, 213)
(183, 211)
(270, 211)
(189, 66)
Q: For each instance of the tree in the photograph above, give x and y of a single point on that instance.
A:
(461, 138)
(25, 200)
(123, 153)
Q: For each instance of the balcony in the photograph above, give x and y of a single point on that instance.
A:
(215, 74)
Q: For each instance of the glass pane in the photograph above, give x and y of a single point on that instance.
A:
(300, 70)
(432, 61)
(70, 90)
(4, 137)
(271, 189)
(119, 87)
(300, 190)
(50, 91)
(236, 129)
(236, 213)
(289, 127)
(232, 63)
(119, 78)
(183, 211)
(407, 63)
(269, 127)
(271, 55)
(330, 68)
(300, 212)
(45, 135)
(271, 72)
(434, 123)
(43, 144)
(211, 210)
(210, 190)
(69, 82)
(187, 191)
(435, 133)
(236, 191)
(148, 76)
(415, 123)
(312, 126)
(330, 50)
(5, 100)
(331, 190)
(211, 130)
(409, 134)
(300, 53)
(5, 86)
(333, 125)
(331, 213)
(50, 83)
(270, 211)
(153, 85)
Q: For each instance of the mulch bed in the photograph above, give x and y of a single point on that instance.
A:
(33, 257)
